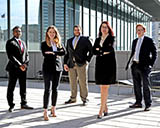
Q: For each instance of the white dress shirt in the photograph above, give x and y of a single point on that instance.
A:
(75, 40)
(137, 50)
(22, 47)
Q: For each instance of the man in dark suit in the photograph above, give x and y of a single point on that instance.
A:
(143, 55)
(79, 54)
(17, 67)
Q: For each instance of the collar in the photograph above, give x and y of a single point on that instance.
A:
(103, 38)
(77, 37)
(141, 37)
(17, 39)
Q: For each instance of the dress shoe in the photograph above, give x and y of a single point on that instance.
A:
(70, 101)
(85, 103)
(26, 107)
(135, 106)
(99, 117)
(105, 113)
(11, 108)
(147, 108)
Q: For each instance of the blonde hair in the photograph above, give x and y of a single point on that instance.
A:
(141, 26)
(57, 38)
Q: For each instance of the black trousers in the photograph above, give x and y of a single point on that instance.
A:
(13, 77)
(55, 79)
(141, 80)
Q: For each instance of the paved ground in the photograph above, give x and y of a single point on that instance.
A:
(75, 115)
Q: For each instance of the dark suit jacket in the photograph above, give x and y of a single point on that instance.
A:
(82, 52)
(105, 67)
(15, 55)
(148, 52)
(52, 63)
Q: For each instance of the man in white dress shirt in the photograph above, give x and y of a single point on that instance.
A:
(143, 55)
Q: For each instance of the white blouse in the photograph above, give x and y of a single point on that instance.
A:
(102, 40)
(54, 47)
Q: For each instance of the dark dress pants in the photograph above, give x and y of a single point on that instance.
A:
(141, 80)
(13, 76)
(55, 79)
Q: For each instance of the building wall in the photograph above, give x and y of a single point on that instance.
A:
(156, 33)
(36, 61)
(64, 14)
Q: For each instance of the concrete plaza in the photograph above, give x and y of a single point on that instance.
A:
(75, 115)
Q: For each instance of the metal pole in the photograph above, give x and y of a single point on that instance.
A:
(64, 22)
(9, 18)
(26, 22)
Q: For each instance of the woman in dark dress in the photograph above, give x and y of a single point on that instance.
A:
(105, 68)
(52, 49)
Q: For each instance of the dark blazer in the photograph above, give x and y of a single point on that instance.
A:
(148, 52)
(52, 63)
(15, 55)
(105, 68)
(82, 52)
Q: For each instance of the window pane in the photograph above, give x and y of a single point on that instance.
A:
(69, 19)
(99, 16)
(3, 24)
(118, 34)
(93, 23)
(98, 21)
(78, 13)
(18, 15)
(86, 18)
(60, 18)
(33, 25)
(47, 15)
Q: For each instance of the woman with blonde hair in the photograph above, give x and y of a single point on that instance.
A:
(52, 50)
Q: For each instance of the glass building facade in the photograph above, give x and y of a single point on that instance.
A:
(34, 16)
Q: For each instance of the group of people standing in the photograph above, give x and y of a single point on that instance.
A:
(77, 55)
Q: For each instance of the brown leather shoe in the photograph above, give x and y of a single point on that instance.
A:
(26, 107)
(70, 101)
(135, 106)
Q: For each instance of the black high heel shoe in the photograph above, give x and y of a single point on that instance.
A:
(105, 113)
(99, 117)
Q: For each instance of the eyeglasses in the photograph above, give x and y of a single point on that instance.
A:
(138, 30)
(105, 27)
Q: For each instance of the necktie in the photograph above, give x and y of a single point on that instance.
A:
(75, 42)
(138, 49)
(20, 44)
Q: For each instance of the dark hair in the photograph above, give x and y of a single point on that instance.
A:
(77, 26)
(109, 27)
(16, 27)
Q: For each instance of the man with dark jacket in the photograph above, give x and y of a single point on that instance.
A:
(17, 67)
(79, 54)
(143, 55)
